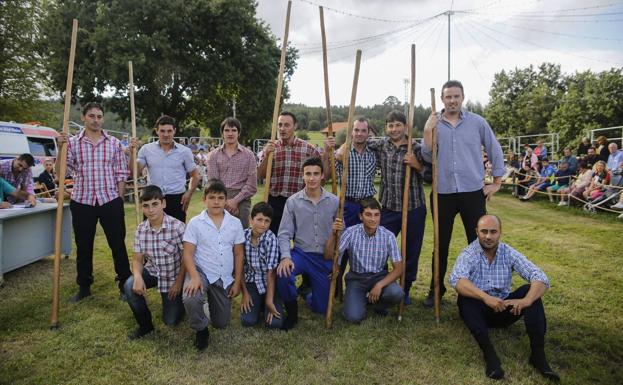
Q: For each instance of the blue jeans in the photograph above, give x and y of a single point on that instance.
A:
(253, 317)
(358, 285)
(351, 213)
(172, 310)
(318, 269)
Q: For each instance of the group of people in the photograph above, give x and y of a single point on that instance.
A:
(231, 248)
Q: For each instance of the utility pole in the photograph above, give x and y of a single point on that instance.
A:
(233, 106)
(406, 83)
(449, 13)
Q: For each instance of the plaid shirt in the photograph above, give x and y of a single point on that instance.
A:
(162, 249)
(258, 260)
(238, 172)
(287, 177)
(496, 278)
(361, 172)
(393, 174)
(368, 254)
(22, 181)
(98, 167)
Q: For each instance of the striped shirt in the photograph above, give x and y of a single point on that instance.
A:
(390, 159)
(162, 249)
(494, 279)
(167, 170)
(97, 168)
(369, 254)
(237, 172)
(258, 260)
(287, 177)
(22, 181)
(361, 172)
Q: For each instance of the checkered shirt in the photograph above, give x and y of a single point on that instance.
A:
(361, 172)
(287, 177)
(258, 260)
(369, 254)
(496, 278)
(22, 181)
(238, 172)
(97, 168)
(162, 249)
(393, 174)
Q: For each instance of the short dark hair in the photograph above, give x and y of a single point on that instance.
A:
(362, 120)
(290, 114)
(214, 186)
(30, 161)
(313, 161)
(584, 164)
(396, 116)
(452, 83)
(262, 208)
(545, 160)
(163, 120)
(369, 203)
(151, 192)
(90, 105)
(231, 122)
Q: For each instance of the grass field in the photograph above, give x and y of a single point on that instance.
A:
(581, 255)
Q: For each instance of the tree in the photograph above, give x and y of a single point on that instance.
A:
(190, 57)
(314, 125)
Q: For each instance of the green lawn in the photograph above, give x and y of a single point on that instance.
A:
(581, 255)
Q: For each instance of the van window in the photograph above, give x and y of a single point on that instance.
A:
(11, 144)
(42, 146)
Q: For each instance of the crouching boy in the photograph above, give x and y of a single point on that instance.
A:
(213, 250)
(261, 258)
(369, 246)
(156, 262)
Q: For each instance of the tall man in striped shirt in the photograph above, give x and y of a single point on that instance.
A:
(235, 166)
(100, 169)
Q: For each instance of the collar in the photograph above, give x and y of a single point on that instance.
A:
(462, 114)
(363, 231)
(166, 223)
(239, 147)
(175, 144)
(83, 133)
(323, 194)
(206, 218)
(295, 142)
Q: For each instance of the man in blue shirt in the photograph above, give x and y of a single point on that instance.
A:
(616, 156)
(544, 181)
(460, 173)
(482, 276)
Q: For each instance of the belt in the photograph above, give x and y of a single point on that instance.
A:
(357, 201)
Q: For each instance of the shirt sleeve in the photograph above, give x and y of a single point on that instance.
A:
(239, 238)
(286, 229)
(28, 182)
(272, 251)
(211, 165)
(494, 150)
(190, 235)
(392, 246)
(141, 158)
(461, 268)
(6, 187)
(345, 242)
(71, 159)
(137, 241)
(525, 268)
(179, 240)
(189, 161)
(120, 164)
(250, 187)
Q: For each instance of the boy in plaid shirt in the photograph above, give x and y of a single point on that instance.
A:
(157, 262)
(261, 259)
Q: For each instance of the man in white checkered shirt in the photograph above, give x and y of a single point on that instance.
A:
(157, 262)
(369, 247)
(482, 276)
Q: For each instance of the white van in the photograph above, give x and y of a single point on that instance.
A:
(39, 141)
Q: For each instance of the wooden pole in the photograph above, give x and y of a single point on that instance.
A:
(139, 217)
(435, 214)
(340, 212)
(328, 101)
(405, 192)
(273, 133)
(56, 278)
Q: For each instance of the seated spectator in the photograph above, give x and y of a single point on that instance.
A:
(583, 147)
(527, 177)
(512, 165)
(591, 157)
(602, 150)
(6, 189)
(615, 158)
(547, 171)
(530, 158)
(47, 176)
(601, 177)
(570, 159)
(576, 189)
(562, 178)
(540, 150)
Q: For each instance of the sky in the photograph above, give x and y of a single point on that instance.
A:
(487, 36)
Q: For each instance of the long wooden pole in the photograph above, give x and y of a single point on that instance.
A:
(435, 214)
(325, 67)
(340, 212)
(405, 192)
(134, 149)
(56, 278)
(273, 133)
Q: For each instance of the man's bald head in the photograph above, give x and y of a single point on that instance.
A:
(489, 230)
(489, 220)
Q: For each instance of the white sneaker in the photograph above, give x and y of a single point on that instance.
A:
(620, 216)
(562, 203)
(618, 206)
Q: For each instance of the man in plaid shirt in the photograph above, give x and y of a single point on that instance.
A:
(261, 258)
(157, 262)
(19, 174)
(99, 168)
(369, 246)
(289, 154)
(482, 276)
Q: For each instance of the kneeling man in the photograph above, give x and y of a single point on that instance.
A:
(482, 276)
(369, 247)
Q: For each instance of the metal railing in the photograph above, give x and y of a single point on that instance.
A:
(615, 132)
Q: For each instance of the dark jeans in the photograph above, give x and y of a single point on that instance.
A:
(252, 318)
(172, 310)
(479, 317)
(470, 206)
(358, 285)
(84, 219)
(278, 204)
(416, 220)
(174, 206)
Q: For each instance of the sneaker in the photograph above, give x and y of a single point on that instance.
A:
(618, 206)
(562, 203)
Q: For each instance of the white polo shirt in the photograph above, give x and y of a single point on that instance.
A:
(215, 247)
